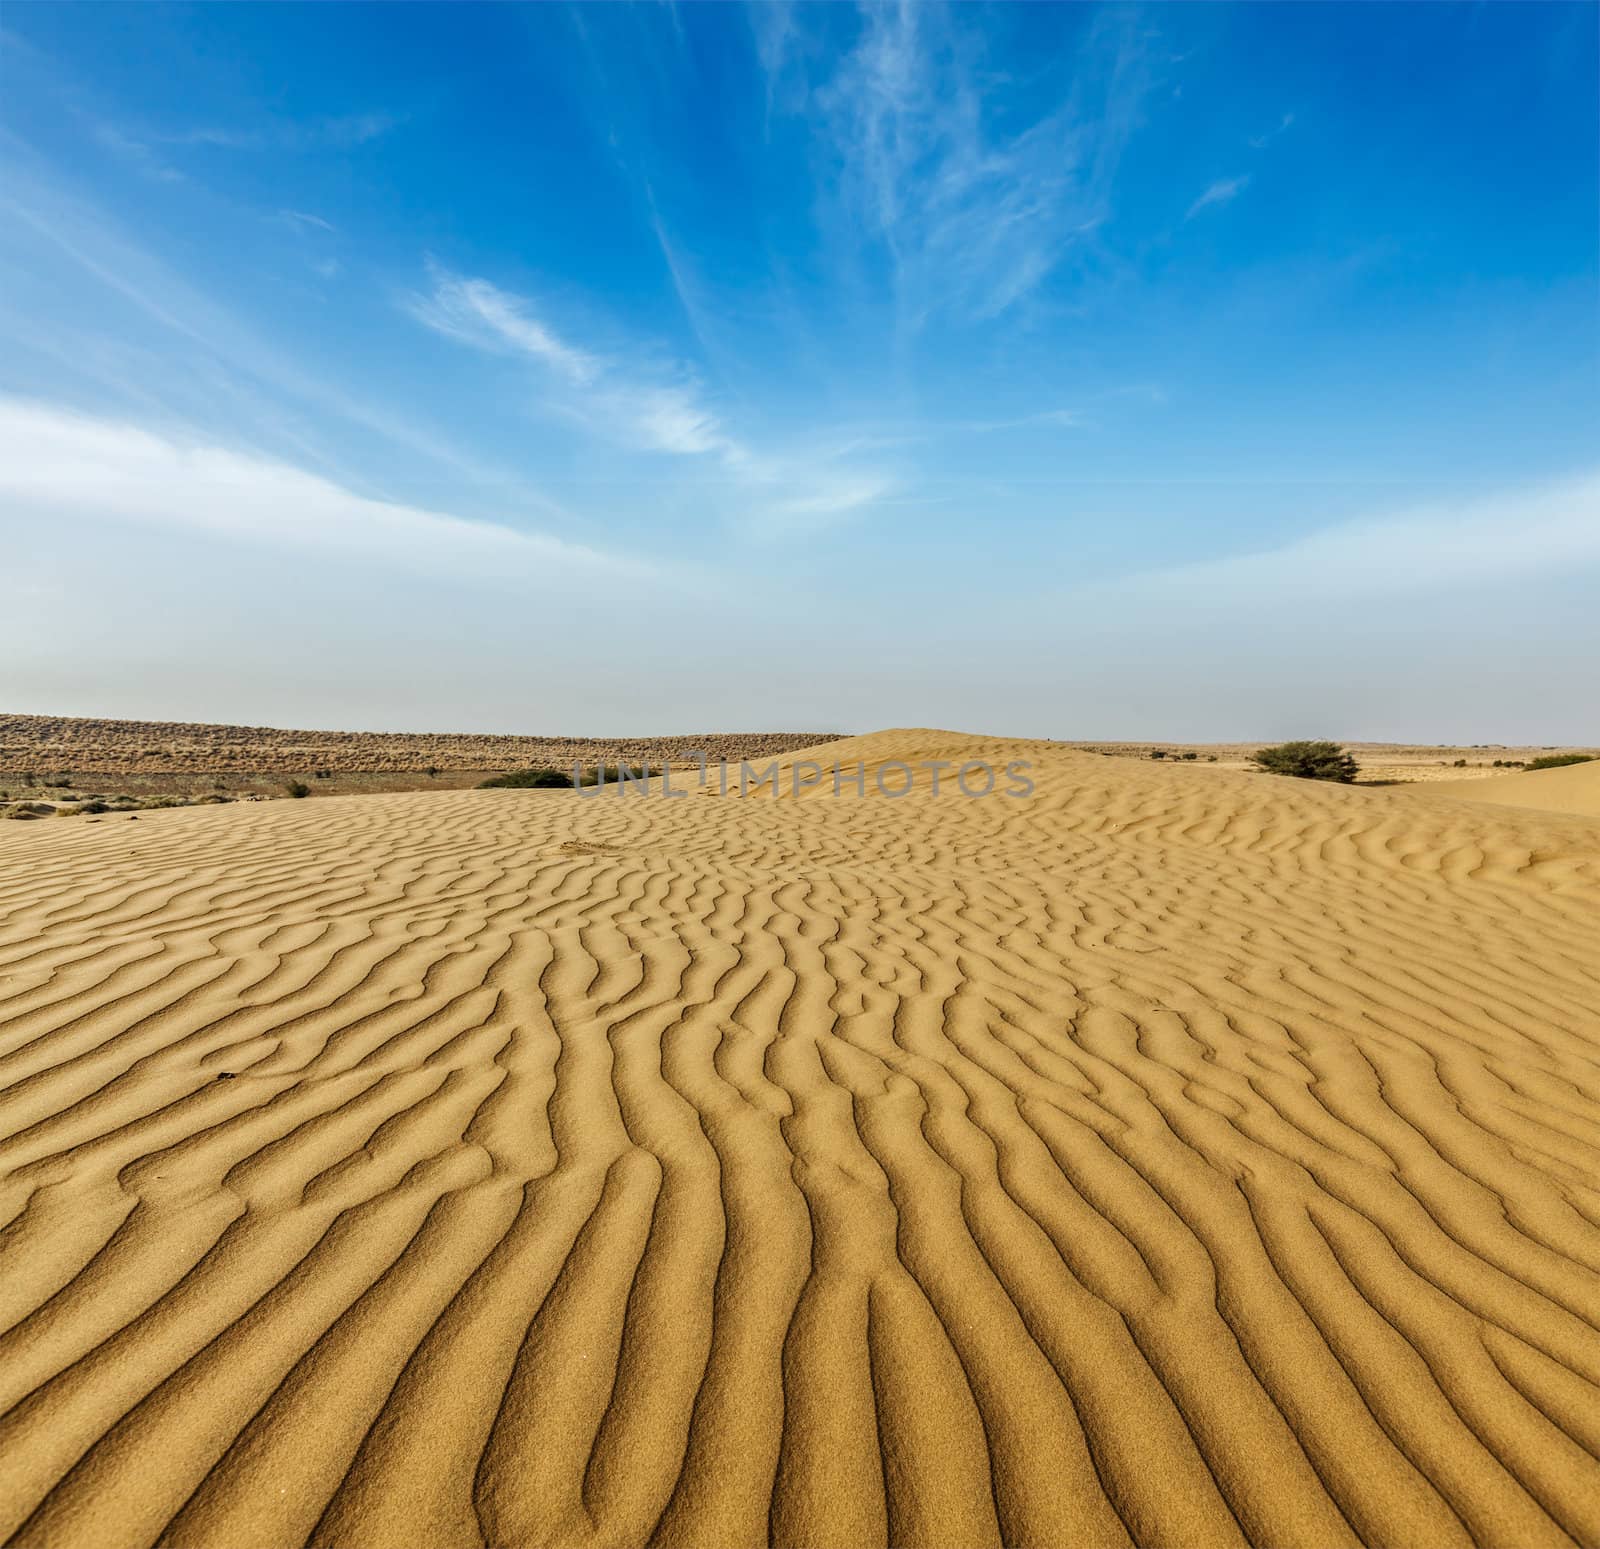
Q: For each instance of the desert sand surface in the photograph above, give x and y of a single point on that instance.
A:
(1574, 789)
(1174, 1157)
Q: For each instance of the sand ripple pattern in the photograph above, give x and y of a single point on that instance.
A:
(1174, 1158)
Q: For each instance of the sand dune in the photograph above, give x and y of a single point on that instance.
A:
(1574, 789)
(1173, 1157)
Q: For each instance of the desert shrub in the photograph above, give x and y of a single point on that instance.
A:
(296, 788)
(321, 774)
(1190, 757)
(1560, 760)
(1158, 752)
(613, 773)
(95, 806)
(432, 772)
(528, 780)
(1309, 761)
(1460, 763)
(1211, 758)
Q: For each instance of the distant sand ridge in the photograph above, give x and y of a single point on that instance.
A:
(1176, 1157)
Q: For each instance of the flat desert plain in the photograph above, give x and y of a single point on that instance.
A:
(1175, 1157)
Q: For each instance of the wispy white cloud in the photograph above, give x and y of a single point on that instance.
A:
(1223, 191)
(829, 499)
(343, 131)
(134, 153)
(1061, 419)
(205, 346)
(55, 464)
(478, 313)
(631, 397)
(146, 150)
(973, 218)
(304, 221)
(1259, 141)
(1549, 529)
(773, 24)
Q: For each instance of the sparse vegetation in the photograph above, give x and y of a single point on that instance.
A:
(528, 780)
(547, 779)
(611, 774)
(1560, 760)
(1309, 761)
(296, 788)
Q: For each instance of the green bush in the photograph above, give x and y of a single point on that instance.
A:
(1158, 752)
(296, 788)
(528, 780)
(1309, 761)
(1560, 760)
(613, 773)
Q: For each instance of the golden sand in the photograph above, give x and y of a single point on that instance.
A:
(1174, 1157)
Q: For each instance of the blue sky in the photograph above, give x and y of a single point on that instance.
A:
(1191, 371)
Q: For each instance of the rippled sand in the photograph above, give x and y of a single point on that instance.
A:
(1175, 1157)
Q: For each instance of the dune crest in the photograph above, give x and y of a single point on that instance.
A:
(1574, 789)
(1172, 1157)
